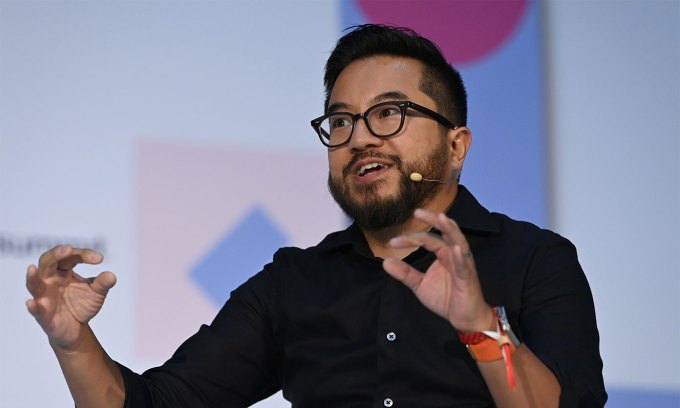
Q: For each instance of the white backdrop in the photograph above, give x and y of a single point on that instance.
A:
(614, 76)
(82, 83)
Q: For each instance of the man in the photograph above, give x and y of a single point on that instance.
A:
(414, 305)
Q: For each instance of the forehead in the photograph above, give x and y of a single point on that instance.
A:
(362, 82)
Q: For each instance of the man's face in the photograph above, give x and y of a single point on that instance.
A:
(384, 195)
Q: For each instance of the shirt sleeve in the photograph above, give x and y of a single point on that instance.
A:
(558, 323)
(228, 364)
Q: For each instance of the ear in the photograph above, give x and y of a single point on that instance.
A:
(459, 139)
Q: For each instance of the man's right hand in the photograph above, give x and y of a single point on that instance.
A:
(63, 301)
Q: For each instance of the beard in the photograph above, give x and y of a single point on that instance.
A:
(373, 212)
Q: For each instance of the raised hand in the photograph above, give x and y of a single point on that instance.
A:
(450, 286)
(63, 301)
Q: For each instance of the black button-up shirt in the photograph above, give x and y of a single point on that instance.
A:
(329, 326)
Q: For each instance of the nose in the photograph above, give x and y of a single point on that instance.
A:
(362, 138)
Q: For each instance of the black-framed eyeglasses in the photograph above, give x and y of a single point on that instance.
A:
(382, 120)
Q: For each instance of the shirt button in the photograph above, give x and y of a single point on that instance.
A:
(391, 336)
(388, 402)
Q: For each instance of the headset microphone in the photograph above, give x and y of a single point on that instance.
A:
(417, 177)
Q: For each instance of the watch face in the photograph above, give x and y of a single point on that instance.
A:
(505, 325)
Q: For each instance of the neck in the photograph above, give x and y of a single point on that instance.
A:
(379, 240)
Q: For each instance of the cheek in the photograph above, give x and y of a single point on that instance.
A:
(335, 162)
(418, 135)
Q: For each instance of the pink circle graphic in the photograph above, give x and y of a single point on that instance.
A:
(465, 30)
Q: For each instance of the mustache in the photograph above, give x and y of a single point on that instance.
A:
(376, 155)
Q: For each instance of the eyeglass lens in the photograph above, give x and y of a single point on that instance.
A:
(382, 120)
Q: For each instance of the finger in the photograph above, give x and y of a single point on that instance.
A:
(460, 258)
(62, 259)
(427, 216)
(34, 283)
(78, 256)
(403, 272)
(455, 257)
(48, 260)
(451, 233)
(103, 282)
(417, 239)
(431, 242)
(33, 308)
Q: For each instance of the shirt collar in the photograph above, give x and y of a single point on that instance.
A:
(471, 217)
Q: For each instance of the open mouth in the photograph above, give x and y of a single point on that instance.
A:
(370, 168)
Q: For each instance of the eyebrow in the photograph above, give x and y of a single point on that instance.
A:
(385, 96)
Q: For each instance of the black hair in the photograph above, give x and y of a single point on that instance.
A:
(440, 81)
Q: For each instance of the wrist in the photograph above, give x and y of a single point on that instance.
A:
(485, 322)
(486, 345)
(81, 342)
(490, 345)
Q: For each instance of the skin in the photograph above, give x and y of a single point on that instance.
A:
(450, 287)
(63, 302)
(363, 84)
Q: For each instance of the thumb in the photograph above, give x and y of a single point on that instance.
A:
(403, 272)
(103, 282)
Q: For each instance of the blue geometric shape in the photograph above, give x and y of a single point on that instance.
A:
(635, 398)
(242, 252)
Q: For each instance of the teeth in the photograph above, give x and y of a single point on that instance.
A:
(367, 167)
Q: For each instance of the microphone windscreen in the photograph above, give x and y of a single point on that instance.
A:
(416, 177)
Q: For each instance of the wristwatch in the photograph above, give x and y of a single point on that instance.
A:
(488, 345)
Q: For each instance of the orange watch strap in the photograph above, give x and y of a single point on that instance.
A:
(488, 350)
